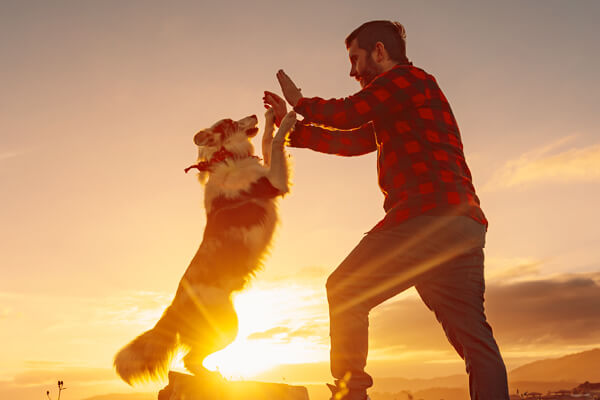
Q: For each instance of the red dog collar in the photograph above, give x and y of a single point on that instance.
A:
(221, 155)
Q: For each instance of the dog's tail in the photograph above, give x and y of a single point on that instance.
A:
(148, 356)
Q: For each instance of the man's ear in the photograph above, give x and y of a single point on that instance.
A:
(380, 52)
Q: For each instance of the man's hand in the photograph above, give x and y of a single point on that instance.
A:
(290, 91)
(277, 104)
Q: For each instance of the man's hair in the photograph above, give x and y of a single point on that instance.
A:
(391, 34)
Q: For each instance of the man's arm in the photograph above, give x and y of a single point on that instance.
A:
(353, 142)
(382, 96)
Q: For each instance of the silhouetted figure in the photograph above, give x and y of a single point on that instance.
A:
(433, 234)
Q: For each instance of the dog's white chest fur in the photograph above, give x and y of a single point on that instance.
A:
(231, 178)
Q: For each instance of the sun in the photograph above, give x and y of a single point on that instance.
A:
(272, 331)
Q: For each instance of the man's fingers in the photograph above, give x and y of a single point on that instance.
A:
(283, 79)
(270, 102)
(270, 95)
(280, 80)
(281, 74)
(273, 100)
(269, 99)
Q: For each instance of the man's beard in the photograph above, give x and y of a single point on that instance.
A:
(370, 72)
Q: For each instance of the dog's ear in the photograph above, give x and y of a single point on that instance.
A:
(204, 138)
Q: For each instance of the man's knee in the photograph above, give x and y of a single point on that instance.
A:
(341, 293)
(332, 286)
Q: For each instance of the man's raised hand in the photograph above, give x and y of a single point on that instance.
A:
(290, 91)
(277, 104)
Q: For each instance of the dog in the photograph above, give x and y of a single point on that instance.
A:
(240, 201)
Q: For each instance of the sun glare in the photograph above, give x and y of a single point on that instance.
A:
(273, 331)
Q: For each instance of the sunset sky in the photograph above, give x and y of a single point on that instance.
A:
(100, 101)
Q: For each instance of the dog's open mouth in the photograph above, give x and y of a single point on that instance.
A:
(251, 131)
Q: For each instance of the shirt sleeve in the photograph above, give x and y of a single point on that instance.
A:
(388, 93)
(353, 142)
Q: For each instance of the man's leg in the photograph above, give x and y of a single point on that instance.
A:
(382, 265)
(456, 293)
(349, 313)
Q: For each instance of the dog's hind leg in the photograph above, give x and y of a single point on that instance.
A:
(210, 324)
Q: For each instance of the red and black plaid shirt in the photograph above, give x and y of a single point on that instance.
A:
(404, 115)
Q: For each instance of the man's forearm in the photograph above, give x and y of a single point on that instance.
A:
(354, 142)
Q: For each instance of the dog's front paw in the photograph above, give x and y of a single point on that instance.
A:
(287, 123)
(270, 116)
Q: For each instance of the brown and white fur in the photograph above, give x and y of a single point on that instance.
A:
(241, 218)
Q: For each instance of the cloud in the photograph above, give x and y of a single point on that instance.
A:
(123, 396)
(70, 374)
(549, 164)
(562, 310)
(9, 154)
(312, 276)
(512, 269)
(117, 313)
(543, 313)
(287, 334)
(81, 382)
(5, 313)
(270, 333)
(43, 364)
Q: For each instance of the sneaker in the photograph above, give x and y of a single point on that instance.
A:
(342, 393)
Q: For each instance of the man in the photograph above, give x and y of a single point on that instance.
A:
(433, 233)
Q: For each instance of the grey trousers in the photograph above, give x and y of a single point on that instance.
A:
(442, 256)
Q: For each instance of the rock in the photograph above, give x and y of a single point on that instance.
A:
(211, 386)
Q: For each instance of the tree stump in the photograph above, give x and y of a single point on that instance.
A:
(211, 386)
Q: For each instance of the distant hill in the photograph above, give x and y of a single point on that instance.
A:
(124, 396)
(428, 394)
(550, 374)
(454, 387)
(541, 387)
(391, 385)
(573, 368)
(579, 367)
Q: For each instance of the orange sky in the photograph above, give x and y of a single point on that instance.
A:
(98, 221)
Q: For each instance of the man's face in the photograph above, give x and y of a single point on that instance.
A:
(363, 67)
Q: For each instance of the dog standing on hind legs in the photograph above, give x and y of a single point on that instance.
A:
(241, 215)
